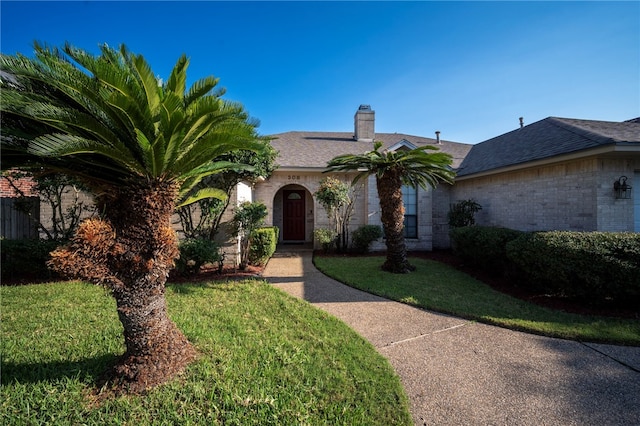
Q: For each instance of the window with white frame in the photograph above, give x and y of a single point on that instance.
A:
(410, 200)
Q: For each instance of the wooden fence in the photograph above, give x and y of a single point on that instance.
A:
(16, 224)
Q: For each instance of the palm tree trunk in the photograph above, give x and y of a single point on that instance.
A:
(392, 208)
(131, 252)
(156, 349)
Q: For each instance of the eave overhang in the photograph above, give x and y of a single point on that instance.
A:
(608, 150)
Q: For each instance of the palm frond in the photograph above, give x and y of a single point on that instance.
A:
(202, 88)
(202, 194)
(56, 145)
(195, 176)
(177, 82)
(148, 82)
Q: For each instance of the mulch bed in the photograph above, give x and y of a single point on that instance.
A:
(210, 273)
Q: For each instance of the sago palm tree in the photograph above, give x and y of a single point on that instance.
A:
(392, 169)
(139, 145)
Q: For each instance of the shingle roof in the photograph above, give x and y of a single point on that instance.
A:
(547, 138)
(315, 149)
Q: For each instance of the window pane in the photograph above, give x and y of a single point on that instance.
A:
(410, 226)
(410, 200)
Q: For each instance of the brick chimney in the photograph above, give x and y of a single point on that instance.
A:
(364, 124)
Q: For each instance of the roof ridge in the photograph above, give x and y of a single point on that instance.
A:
(582, 131)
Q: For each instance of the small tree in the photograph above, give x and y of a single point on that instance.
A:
(338, 199)
(247, 218)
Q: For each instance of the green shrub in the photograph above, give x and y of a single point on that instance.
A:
(248, 217)
(588, 265)
(194, 253)
(263, 244)
(484, 246)
(26, 259)
(363, 237)
(463, 213)
(326, 238)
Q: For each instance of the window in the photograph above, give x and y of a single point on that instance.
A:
(410, 200)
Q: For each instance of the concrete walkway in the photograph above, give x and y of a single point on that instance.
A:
(458, 372)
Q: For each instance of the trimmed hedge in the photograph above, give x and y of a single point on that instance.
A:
(587, 265)
(27, 259)
(263, 244)
(484, 246)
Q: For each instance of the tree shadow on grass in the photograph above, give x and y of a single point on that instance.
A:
(89, 368)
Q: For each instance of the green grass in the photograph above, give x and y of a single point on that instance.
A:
(441, 288)
(266, 359)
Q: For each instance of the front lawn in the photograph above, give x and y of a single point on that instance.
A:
(265, 358)
(442, 288)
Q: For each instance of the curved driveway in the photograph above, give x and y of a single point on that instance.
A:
(459, 372)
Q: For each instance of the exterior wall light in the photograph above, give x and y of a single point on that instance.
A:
(621, 189)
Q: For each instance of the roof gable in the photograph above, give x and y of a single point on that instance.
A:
(403, 144)
(547, 138)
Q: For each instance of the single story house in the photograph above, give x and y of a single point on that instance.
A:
(554, 174)
(557, 173)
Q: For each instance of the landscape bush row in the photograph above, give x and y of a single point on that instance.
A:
(592, 266)
(25, 260)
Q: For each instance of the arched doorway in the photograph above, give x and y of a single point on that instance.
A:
(293, 213)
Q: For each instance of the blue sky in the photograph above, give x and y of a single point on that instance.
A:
(468, 69)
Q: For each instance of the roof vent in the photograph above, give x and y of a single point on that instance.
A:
(364, 107)
(521, 122)
(438, 137)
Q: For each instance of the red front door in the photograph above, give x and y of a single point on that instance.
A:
(293, 218)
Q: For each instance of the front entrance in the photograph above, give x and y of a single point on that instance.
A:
(293, 217)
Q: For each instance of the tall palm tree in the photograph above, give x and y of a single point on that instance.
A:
(392, 169)
(139, 145)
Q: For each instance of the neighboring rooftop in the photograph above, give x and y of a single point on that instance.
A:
(548, 138)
